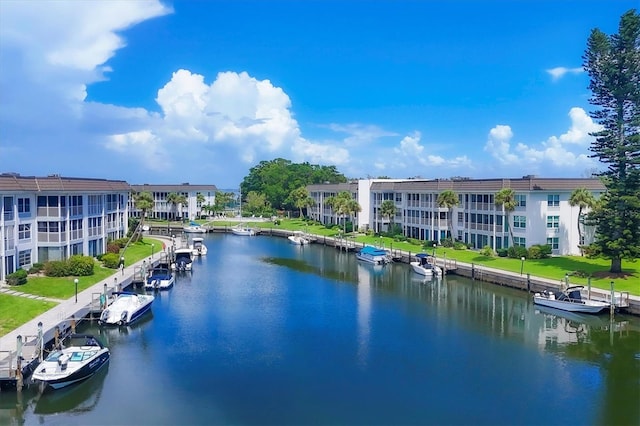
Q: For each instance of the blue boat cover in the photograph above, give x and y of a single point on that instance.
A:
(373, 251)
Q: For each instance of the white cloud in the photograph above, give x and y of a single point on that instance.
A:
(360, 134)
(499, 144)
(559, 72)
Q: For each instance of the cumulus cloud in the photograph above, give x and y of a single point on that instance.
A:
(567, 151)
(559, 72)
(410, 150)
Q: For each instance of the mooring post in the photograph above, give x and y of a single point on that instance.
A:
(73, 324)
(40, 342)
(56, 336)
(528, 282)
(19, 362)
(589, 287)
(473, 271)
(612, 305)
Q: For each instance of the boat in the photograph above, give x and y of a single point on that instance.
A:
(425, 265)
(373, 255)
(569, 300)
(194, 228)
(159, 279)
(183, 259)
(298, 238)
(243, 230)
(126, 308)
(84, 356)
(197, 246)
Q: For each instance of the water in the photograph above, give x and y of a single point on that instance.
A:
(265, 332)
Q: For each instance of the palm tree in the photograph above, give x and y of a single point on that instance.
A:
(341, 205)
(506, 198)
(200, 199)
(174, 199)
(301, 198)
(582, 198)
(448, 199)
(352, 207)
(143, 202)
(388, 210)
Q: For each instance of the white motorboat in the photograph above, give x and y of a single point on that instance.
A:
(159, 279)
(298, 238)
(197, 246)
(569, 300)
(425, 265)
(183, 259)
(126, 308)
(373, 255)
(243, 230)
(195, 228)
(84, 356)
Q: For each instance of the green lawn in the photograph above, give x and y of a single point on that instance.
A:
(16, 310)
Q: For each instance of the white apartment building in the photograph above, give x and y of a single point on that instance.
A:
(54, 217)
(165, 211)
(543, 214)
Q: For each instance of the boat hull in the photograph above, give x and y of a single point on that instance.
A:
(53, 375)
(420, 270)
(588, 307)
(113, 315)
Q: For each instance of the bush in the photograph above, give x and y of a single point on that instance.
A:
(428, 245)
(516, 252)
(399, 237)
(36, 268)
(19, 277)
(113, 248)
(502, 252)
(539, 251)
(447, 242)
(413, 241)
(459, 245)
(111, 260)
(56, 268)
(81, 266)
(487, 251)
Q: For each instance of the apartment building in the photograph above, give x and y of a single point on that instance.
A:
(543, 214)
(54, 217)
(197, 196)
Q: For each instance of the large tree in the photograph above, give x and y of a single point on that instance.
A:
(448, 199)
(584, 199)
(343, 204)
(506, 198)
(301, 199)
(613, 65)
(276, 179)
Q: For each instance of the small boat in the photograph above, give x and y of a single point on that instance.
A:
(195, 228)
(373, 255)
(197, 246)
(569, 300)
(183, 259)
(298, 238)
(84, 356)
(243, 230)
(159, 279)
(425, 265)
(126, 308)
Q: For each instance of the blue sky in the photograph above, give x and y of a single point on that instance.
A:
(201, 91)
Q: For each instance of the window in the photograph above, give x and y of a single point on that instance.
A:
(520, 241)
(24, 231)
(24, 205)
(24, 258)
(521, 200)
(553, 242)
(553, 222)
(553, 200)
(8, 208)
(520, 222)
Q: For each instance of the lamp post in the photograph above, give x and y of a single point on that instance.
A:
(75, 281)
(122, 264)
(521, 264)
(152, 249)
(434, 250)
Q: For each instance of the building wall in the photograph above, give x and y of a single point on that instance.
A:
(165, 211)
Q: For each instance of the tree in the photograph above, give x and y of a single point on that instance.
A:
(342, 205)
(200, 199)
(584, 199)
(352, 207)
(256, 203)
(143, 202)
(613, 66)
(222, 201)
(174, 199)
(301, 199)
(388, 210)
(448, 199)
(506, 198)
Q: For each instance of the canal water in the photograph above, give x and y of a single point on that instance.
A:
(265, 332)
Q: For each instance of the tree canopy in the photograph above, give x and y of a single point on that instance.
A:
(278, 178)
(613, 65)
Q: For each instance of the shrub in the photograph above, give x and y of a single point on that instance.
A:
(56, 268)
(413, 241)
(539, 251)
(81, 266)
(428, 245)
(516, 252)
(459, 245)
(36, 268)
(113, 248)
(19, 277)
(111, 260)
(399, 237)
(502, 252)
(447, 242)
(487, 251)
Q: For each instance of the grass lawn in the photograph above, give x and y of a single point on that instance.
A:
(64, 288)
(16, 310)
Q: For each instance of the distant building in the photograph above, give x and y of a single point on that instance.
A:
(543, 214)
(165, 211)
(54, 217)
